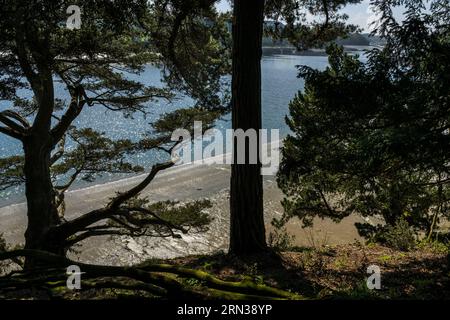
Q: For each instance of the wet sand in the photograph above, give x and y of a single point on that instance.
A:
(182, 183)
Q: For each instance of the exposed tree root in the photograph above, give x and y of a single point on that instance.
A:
(245, 286)
(160, 280)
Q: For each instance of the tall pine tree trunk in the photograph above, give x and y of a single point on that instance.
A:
(42, 213)
(41, 205)
(247, 234)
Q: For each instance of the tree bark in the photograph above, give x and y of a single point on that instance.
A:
(41, 201)
(247, 234)
(42, 212)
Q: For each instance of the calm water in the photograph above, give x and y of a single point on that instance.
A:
(280, 84)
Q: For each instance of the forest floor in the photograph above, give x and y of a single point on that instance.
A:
(340, 271)
(333, 272)
(328, 272)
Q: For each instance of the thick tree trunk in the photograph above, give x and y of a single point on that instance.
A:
(42, 212)
(38, 144)
(247, 234)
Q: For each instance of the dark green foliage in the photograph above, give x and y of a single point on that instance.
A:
(184, 118)
(373, 138)
(290, 21)
(188, 215)
(11, 172)
(94, 155)
(400, 236)
(195, 48)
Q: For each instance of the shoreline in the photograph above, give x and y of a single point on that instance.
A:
(292, 51)
(204, 182)
(181, 183)
(225, 157)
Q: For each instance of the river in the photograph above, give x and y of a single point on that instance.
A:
(280, 85)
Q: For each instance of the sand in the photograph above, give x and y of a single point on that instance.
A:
(182, 183)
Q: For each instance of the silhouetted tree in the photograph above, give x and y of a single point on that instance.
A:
(93, 64)
(373, 137)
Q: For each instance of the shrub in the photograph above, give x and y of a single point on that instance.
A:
(400, 236)
(280, 240)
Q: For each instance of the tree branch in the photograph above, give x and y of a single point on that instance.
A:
(11, 133)
(75, 108)
(58, 154)
(5, 119)
(92, 233)
(123, 197)
(157, 220)
(16, 116)
(72, 227)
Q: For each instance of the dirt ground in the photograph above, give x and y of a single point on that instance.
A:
(341, 271)
(337, 272)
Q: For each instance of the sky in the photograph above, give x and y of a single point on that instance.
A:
(360, 14)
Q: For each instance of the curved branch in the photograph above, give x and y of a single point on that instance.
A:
(72, 227)
(16, 116)
(61, 149)
(123, 197)
(327, 15)
(75, 108)
(5, 119)
(11, 133)
(157, 220)
(92, 233)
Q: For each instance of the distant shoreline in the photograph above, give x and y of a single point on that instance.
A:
(283, 50)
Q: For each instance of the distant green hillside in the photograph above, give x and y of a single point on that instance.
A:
(356, 39)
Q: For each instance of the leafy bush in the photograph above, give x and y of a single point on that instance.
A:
(400, 236)
(434, 246)
(280, 240)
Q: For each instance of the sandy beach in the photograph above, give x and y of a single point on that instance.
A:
(182, 183)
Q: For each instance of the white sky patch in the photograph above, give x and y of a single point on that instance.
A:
(372, 18)
(361, 14)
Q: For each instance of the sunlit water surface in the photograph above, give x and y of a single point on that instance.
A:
(280, 85)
